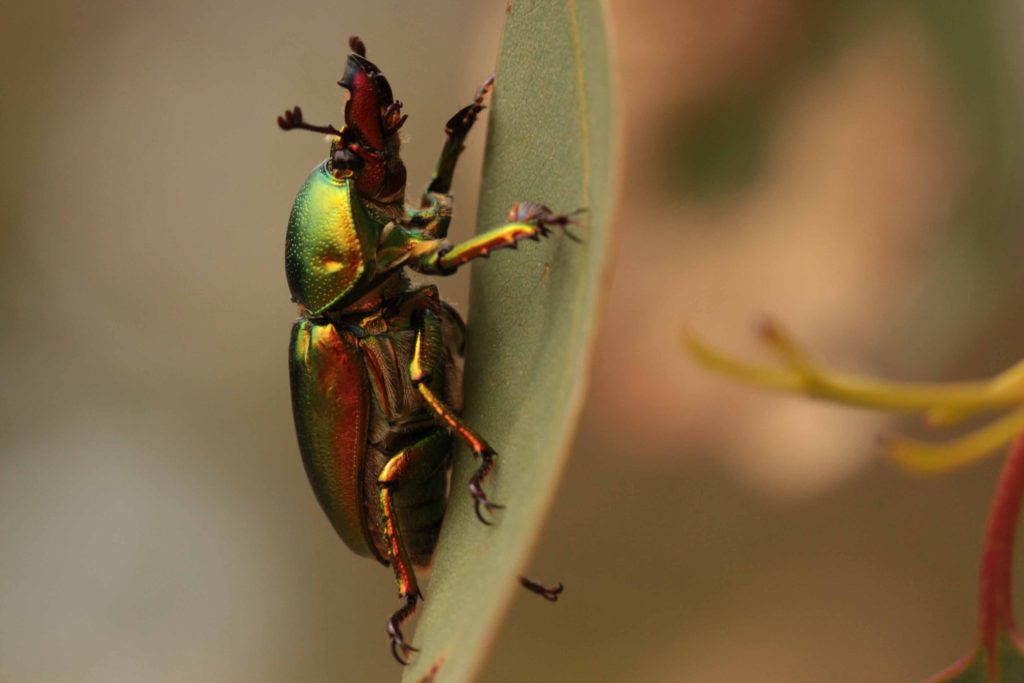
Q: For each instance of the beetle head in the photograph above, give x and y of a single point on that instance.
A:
(369, 145)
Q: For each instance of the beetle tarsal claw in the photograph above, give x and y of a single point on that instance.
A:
(463, 120)
(400, 649)
(488, 505)
(543, 219)
(475, 489)
(549, 594)
(405, 648)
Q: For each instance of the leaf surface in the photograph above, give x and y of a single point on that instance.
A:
(532, 319)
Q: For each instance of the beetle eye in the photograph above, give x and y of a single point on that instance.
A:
(346, 159)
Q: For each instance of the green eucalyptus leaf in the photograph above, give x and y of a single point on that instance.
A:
(532, 319)
(974, 668)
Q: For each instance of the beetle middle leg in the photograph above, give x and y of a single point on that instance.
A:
(426, 358)
(427, 353)
(435, 215)
(527, 220)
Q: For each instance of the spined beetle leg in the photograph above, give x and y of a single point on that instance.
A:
(429, 343)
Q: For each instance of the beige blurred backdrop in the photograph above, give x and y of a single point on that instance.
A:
(849, 167)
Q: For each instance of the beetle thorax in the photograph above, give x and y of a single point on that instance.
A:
(331, 245)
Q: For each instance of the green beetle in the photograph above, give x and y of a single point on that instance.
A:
(376, 391)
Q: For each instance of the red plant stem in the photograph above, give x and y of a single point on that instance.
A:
(995, 607)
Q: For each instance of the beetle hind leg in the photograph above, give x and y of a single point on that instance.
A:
(406, 523)
(404, 573)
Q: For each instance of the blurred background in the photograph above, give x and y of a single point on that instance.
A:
(852, 168)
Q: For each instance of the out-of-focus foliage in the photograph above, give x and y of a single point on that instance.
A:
(976, 668)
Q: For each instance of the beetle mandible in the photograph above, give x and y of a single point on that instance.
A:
(376, 392)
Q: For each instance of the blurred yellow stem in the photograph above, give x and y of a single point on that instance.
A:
(935, 458)
(1008, 382)
(947, 401)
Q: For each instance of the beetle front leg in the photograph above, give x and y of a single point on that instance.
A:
(435, 215)
(457, 129)
(426, 358)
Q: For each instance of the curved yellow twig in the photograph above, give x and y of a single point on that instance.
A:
(942, 403)
(799, 375)
(932, 458)
(1007, 382)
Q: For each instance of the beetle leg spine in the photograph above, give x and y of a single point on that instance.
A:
(450, 420)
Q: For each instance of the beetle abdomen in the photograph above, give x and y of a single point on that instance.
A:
(355, 408)
(399, 420)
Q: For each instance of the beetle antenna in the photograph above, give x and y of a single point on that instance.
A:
(292, 120)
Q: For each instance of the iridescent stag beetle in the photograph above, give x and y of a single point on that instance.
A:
(376, 392)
